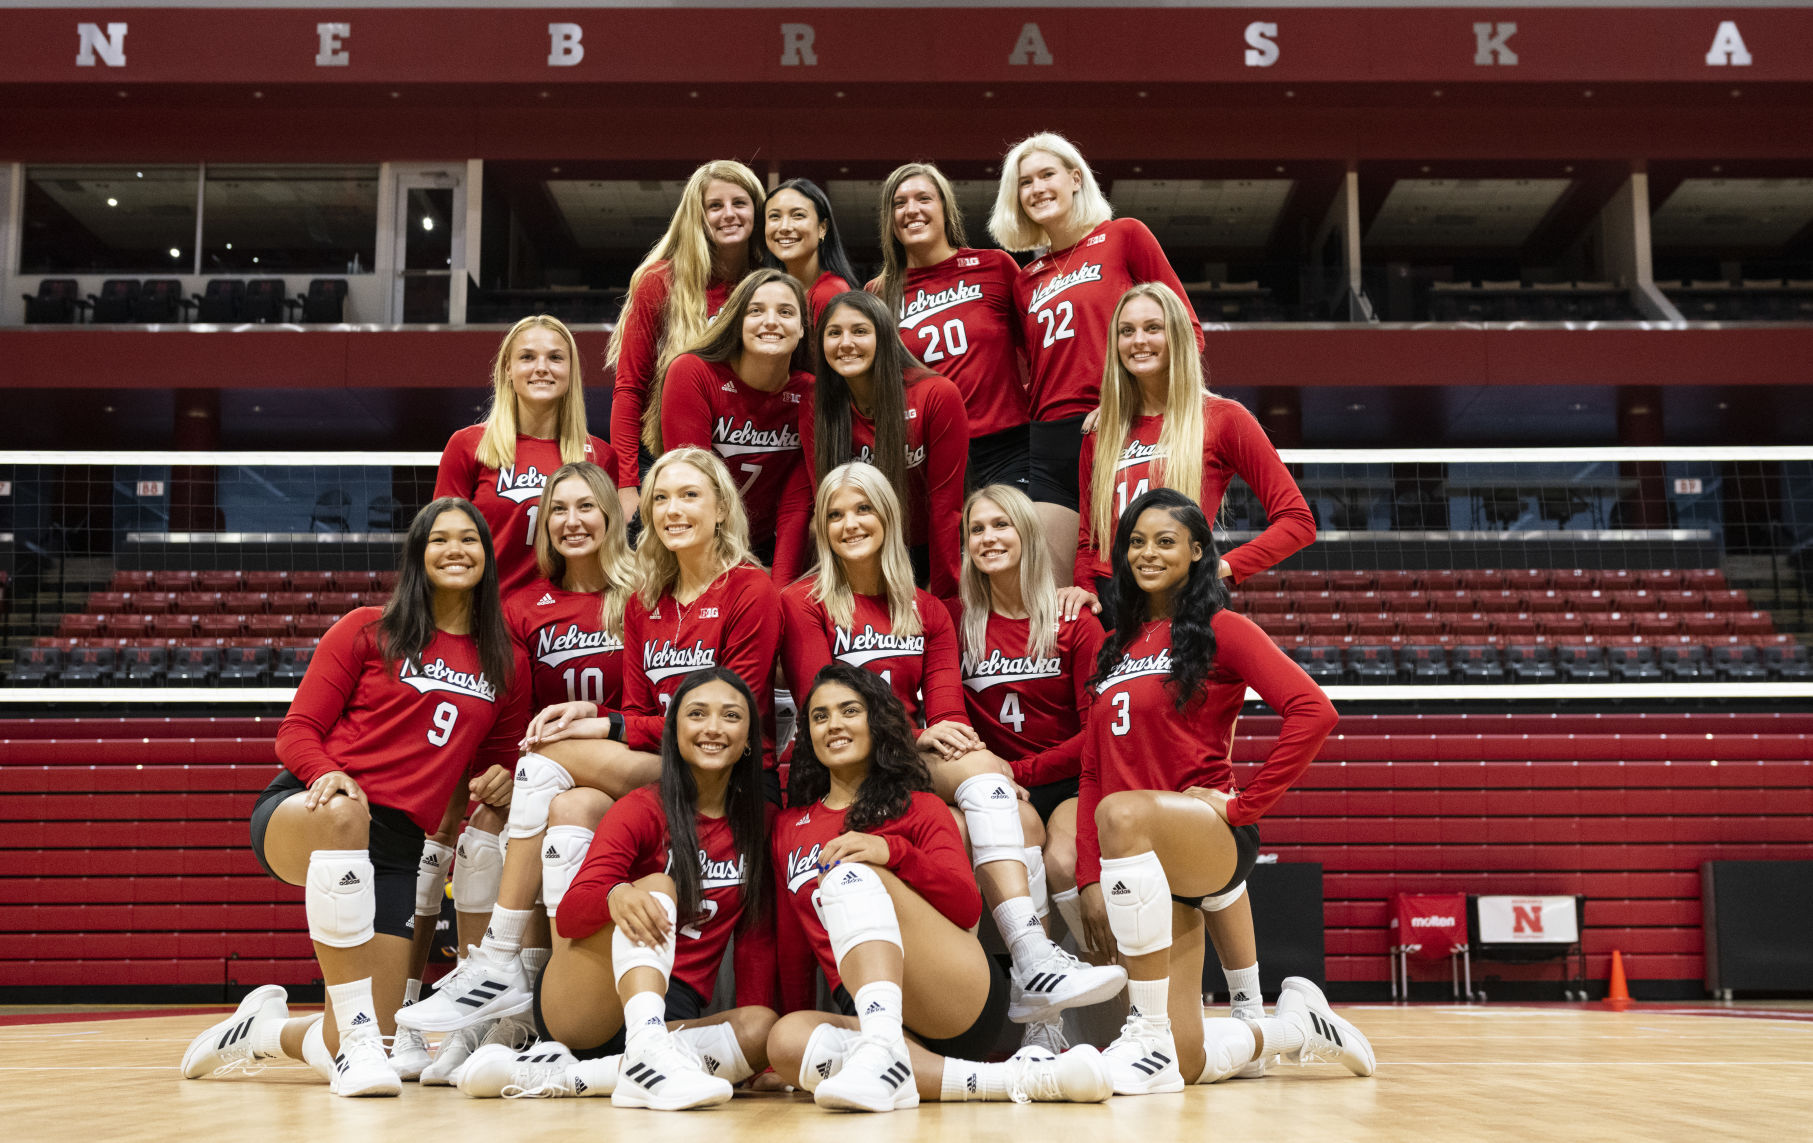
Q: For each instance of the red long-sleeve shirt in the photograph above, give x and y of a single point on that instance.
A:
(959, 317)
(937, 443)
(506, 498)
(1032, 711)
(571, 655)
(924, 850)
(407, 734)
(706, 405)
(632, 843)
(644, 323)
(735, 624)
(1233, 445)
(921, 669)
(1137, 739)
(820, 293)
(1066, 300)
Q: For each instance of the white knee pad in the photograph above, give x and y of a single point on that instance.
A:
(1228, 1046)
(1070, 907)
(341, 897)
(562, 853)
(431, 878)
(627, 954)
(1035, 880)
(786, 717)
(1138, 895)
(478, 871)
(717, 1048)
(538, 779)
(992, 812)
(1217, 904)
(855, 908)
(826, 1050)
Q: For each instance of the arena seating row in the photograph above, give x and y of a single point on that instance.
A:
(178, 580)
(1487, 579)
(1516, 301)
(1408, 660)
(1749, 299)
(123, 854)
(180, 662)
(163, 300)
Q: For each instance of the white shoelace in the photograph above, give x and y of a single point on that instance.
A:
(533, 1081)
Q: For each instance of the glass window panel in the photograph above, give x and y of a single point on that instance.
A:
(113, 219)
(271, 220)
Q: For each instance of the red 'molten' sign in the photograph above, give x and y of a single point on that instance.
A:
(1429, 926)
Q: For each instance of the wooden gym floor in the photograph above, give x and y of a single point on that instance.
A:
(1559, 1072)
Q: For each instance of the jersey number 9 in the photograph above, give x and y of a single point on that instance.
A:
(445, 716)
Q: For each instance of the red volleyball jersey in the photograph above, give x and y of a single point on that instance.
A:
(1066, 300)
(924, 850)
(571, 655)
(921, 669)
(506, 498)
(756, 434)
(820, 293)
(632, 843)
(735, 624)
(644, 328)
(959, 317)
(407, 733)
(937, 442)
(1137, 739)
(1031, 711)
(1233, 445)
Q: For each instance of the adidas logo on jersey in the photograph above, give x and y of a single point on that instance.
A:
(1120, 889)
(361, 1018)
(351, 878)
(547, 598)
(728, 387)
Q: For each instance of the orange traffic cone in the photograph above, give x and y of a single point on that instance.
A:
(1618, 995)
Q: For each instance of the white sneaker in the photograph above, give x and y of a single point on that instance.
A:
(878, 1076)
(1057, 981)
(409, 1054)
(1047, 1035)
(1143, 1058)
(1325, 1035)
(1077, 1076)
(827, 1050)
(661, 1073)
(362, 1068)
(540, 1072)
(456, 1048)
(227, 1046)
(481, 988)
(597, 1076)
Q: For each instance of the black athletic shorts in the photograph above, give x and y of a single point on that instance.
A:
(1051, 795)
(1056, 447)
(920, 557)
(683, 1003)
(1246, 854)
(395, 845)
(974, 1043)
(999, 458)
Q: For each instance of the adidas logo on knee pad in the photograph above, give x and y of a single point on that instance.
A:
(552, 852)
(350, 879)
(850, 877)
(1001, 793)
(1120, 889)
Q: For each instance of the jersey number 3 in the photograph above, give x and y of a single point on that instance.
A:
(1123, 713)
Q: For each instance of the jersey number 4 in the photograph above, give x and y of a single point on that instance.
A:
(1010, 713)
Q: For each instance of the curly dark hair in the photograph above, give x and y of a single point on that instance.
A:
(1193, 604)
(895, 768)
(744, 805)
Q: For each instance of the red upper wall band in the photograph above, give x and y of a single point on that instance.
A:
(912, 45)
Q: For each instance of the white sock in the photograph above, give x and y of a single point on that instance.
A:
(1018, 921)
(1227, 1047)
(1035, 880)
(644, 1014)
(967, 1080)
(412, 992)
(353, 1007)
(314, 1050)
(1243, 991)
(267, 1038)
(879, 1011)
(1150, 997)
(533, 961)
(596, 1076)
(1281, 1036)
(503, 936)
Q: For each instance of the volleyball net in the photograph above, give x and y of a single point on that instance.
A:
(1513, 573)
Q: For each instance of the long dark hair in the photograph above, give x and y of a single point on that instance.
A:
(744, 806)
(407, 625)
(895, 767)
(832, 258)
(1193, 605)
(831, 401)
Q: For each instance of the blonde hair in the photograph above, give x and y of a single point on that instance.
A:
(1038, 588)
(833, 590)
(497, 446)
(890, 286)
(1178, 463)
(688, 250)
(657, 568)
(1009, 224)
(614, 557)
